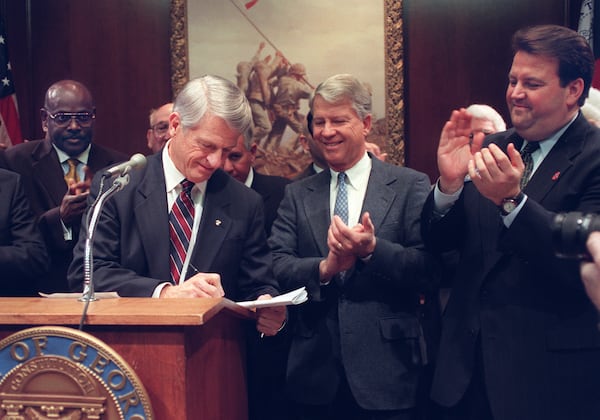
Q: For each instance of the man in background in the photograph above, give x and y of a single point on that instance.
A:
(239, 164)
(307, 142)
(56, 172)
(266, 356)
(158, 132)
(485, 119)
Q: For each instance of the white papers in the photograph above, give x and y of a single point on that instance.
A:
(295, 297)
(98, 295)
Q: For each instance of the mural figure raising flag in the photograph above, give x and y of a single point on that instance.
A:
(10, 129)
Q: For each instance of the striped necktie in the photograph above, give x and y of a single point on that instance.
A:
(181, 222)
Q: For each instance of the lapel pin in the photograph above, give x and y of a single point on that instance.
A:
(555, 176)
(218, 222)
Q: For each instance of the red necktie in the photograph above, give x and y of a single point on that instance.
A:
(181, 222)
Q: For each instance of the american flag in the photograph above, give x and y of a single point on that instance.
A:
(10, 128)
(589, 28)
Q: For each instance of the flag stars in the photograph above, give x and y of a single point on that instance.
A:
(6, 82)
(1, 39)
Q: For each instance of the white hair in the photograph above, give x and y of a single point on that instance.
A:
(214, 95)
(344, 86)
(591, 107)
(486, 112)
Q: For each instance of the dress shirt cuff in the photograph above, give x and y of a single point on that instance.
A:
(67, 232)
(158, 289)
(366, 258)
(283, 324)
(443, 202)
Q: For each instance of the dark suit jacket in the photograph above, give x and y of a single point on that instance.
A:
(131, 246)
(23, 256)
(527, 308)
(271, 190)
(43, 179)
(369, 322)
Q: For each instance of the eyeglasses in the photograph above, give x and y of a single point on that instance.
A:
(160, 128)
(63, 119)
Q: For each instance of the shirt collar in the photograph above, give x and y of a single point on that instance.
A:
(250, 178)
(83, 157)
(547, 144)
(356, 173)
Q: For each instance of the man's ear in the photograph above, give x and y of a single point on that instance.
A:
(367, 121)
(575, 90)
(44, 118)
(174, 122)
(253, 149)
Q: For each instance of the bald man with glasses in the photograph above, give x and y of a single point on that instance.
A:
(56, 172)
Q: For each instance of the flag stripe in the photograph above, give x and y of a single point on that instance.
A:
(10, 119)
(8, 100)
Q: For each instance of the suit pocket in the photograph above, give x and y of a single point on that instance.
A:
(408, 333)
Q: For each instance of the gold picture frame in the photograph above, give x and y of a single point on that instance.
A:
(394, 69)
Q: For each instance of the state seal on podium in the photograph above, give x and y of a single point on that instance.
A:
(66, 374)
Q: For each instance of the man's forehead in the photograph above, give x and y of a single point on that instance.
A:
(526, 65)
(323, 108)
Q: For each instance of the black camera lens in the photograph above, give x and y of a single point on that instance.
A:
(570, 232)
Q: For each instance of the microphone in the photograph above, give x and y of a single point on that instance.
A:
(137, 161)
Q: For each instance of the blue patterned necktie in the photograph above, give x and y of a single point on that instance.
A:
(528, 161)
(341, 200)
(181, 222)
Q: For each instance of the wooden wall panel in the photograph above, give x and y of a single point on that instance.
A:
(118, 48)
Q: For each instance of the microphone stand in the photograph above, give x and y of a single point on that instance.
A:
(88, 285)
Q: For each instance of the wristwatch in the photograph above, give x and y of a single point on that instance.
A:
(511, 203)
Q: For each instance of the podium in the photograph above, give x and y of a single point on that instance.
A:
(188, 353)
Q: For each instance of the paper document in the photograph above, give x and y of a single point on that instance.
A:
(98, 295)
(295, 297)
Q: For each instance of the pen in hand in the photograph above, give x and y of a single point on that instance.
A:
(192, 270)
